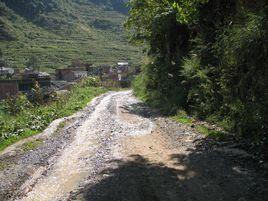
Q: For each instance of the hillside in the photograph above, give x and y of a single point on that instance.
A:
(60, 31)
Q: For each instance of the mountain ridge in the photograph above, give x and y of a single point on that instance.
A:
(60, 31)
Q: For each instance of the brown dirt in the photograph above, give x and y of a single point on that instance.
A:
(174, 163)
(152, 147)
(121, 150)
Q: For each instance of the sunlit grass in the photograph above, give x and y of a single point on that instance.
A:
(35, 120)
(182, 117)
(210, 132)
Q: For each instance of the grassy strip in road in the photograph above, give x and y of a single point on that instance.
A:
(32, 145)
(211, 132)
(183, 118)
(34, 120)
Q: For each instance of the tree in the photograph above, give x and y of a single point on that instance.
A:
(155, 24)
(208, 56)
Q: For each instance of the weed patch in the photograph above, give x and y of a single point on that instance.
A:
(31, 145)
(210, 132)
(182, 117)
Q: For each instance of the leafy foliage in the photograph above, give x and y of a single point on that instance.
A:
(216, 52)
(187, 10)
(155, 23)
(16, 104)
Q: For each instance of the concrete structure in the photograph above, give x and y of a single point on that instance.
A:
(8, 88)
(105, 69)
(4, 71)
(65, 74)
(93, 71)
(123, 67)
(80, 74)
(31, 74)
(26, 85)
(13, 87)
(71, 74)
(123, 63)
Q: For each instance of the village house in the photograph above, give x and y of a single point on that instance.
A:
(64, 74)
(94, 71)
(78, 74)
(123, 72)
(123, 67)
(71, 74)
(5, 71)
(105, 69)
(25, 83)
(32, 74)
(29, 77)
(59, 85)
(8, 88)
(13, 87)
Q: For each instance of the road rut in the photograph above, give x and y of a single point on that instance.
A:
(118, 149)
(96, 141)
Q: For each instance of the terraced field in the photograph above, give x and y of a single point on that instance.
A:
(75, 29)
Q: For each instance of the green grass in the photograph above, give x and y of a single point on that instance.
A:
(31, 145)
(11, 140)
(210, 132)
(34, 120)
(182, 117)
(61, 125)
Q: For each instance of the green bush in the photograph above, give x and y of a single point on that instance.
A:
(90, 82)
(153, 86)
(13, 105)
(217, 57)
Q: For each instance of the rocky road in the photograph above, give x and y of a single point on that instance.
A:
(117, 149)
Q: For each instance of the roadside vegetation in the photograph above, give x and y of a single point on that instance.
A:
(208, 58)
(21, 118)
(182, 117)
(208, 130)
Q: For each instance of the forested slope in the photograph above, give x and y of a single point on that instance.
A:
(57, 31)
(208, 57)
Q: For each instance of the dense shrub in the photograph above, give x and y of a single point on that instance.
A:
(15, 104)
(217, 58)
(90, 82)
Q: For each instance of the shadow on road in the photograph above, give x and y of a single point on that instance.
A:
(205, 174)
(199, 176)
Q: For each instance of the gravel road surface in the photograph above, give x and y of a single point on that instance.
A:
(117, 149)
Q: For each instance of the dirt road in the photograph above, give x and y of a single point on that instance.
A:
(117, 149)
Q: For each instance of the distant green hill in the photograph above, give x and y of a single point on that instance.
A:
(58, 31)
